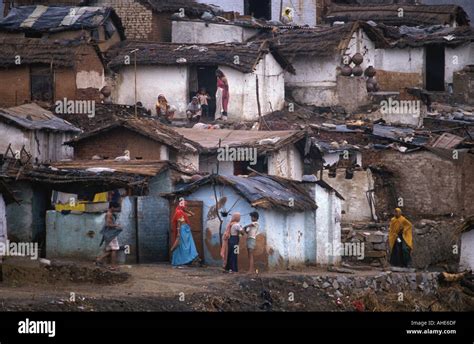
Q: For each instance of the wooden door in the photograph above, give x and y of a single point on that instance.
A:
(195, 224)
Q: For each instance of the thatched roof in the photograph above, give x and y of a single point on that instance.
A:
(320, 40)
(52, 19)
(149, 128)
(101, 175)
(413, 15)
(33, 50)
(402, 37)
(190, 7)
(261, 191)
(191, 54)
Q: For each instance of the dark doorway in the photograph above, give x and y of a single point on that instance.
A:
(206, 77)
(434, 68)
(258, 9)
(240, 167)
(41, 78)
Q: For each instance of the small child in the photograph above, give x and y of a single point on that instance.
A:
(204, 97)
(252, 231)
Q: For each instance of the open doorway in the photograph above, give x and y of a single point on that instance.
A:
(205, 76)
(435, 67)
(258, 8)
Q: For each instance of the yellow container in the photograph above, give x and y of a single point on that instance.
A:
(80, 206)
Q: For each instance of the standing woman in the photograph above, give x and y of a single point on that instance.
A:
(183, 249)
(231, 240)
(222, 96)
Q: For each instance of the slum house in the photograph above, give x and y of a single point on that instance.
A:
(286, 153)
(422, 57)
(184, 68)
(299, 221)
(411, 15)
(445, 160)
(73, 212)
(316, 55)
(403, 58)
(35, 134)
(98, 25)
(37, 70)
(132, 139)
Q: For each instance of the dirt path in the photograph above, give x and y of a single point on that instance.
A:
(161, 287)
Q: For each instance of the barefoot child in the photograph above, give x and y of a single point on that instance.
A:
(252, 231)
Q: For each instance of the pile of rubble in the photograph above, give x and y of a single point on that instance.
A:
(371, 238)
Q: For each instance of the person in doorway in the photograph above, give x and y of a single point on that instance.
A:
(230, 240)
(204, 98)
(222, 96)
(193, 111)
(400, 239)
(110, 233)
(183, 249)
(252, 231)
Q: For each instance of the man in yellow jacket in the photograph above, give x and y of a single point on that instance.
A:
(400, 239)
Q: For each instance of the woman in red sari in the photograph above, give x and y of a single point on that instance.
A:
(183, 248)
(222, 96)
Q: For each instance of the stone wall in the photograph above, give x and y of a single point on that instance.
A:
(338, 286)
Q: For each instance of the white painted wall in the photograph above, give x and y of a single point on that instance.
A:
(172, 81)
(408, 60)
(328, 226)
(86, 79)
(285, 238)
(467, 250)
(286, 162)
(243, 94)
(361, 43)
(355, 206)
(456, 59)
(315, 80)
(332, 158)
(199, 32)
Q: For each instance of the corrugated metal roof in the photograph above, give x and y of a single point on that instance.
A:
(33, 117)
(261, 191)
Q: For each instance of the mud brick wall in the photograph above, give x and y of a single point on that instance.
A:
(136, 18)
(14, 86)
(113, 143)
(429, 185)
(397, 82)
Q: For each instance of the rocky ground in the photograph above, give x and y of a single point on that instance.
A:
(75, 286)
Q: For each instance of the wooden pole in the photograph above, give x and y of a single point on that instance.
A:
(135, 67)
